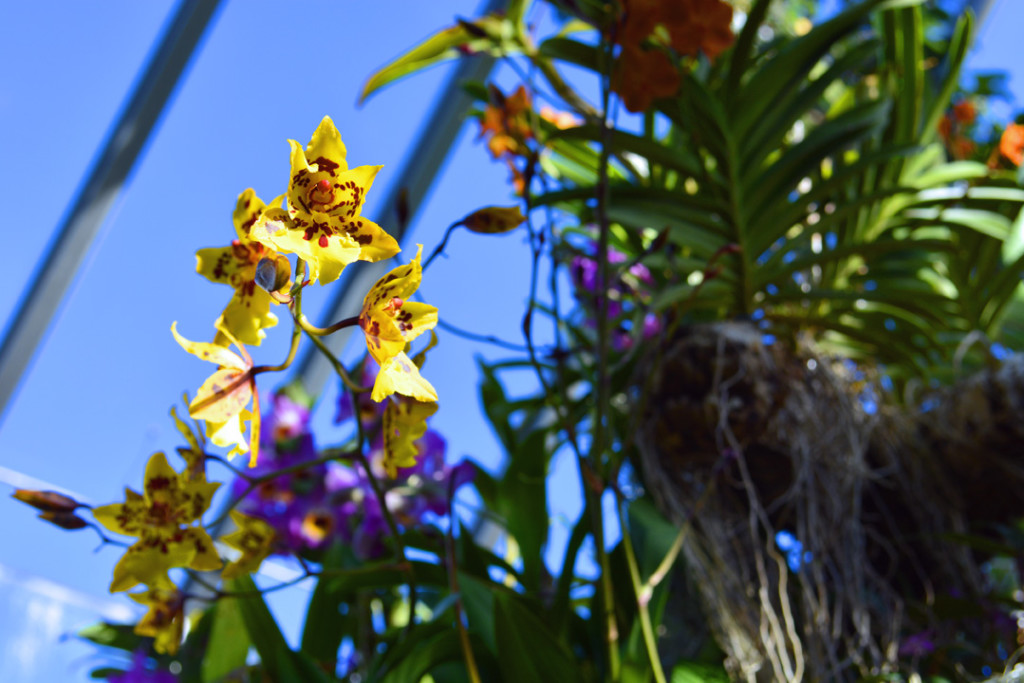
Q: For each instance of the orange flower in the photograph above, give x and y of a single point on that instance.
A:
(965, 112)
(945, 127)
(560, 119)
(642, 76)
(961, 147)
(1011, 145)
(507, 123)
(699, 26)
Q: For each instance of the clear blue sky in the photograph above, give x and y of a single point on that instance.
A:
(94, 405)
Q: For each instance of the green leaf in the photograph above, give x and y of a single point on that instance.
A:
(278, 660)
(480, 36)
(653, 535)
(984, 222)
(426, 649)
(692, 672)
(121, 636)
(791, 66)
(324, 626)
(572, 52)
(527, 648)
(950, 173)
(958, 47)
(228, 645)
(478, 603)
(523, 502)
(622, 142)
(1013, 245)
(740, 57)
(767, 133)
(804, 159)
(563, 586)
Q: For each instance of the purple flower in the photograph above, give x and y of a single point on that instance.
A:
(287, 420)
(370, 411)
(311, 508)
(917, 645)
(142, 673)
(623, 294)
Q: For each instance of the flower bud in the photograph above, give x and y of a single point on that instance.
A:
(493, 220)
(47, 501)
(273, 274)
(65, 520)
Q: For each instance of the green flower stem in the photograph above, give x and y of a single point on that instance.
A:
(295, 305)
(599, 445)
(643, 597)
(400, 555)
(665, 565)
(338, 367)
(315, 331)
(453, 586)
(557, 83)
(439, 249)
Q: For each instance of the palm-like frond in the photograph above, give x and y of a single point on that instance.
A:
(848, 218)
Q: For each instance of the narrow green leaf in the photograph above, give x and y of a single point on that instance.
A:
(777, 180)
(324, 626)
(228, 646)
(427, 651)
(278, 660)
(443, 46)
(958, 47)
(522, 501)
(121, 636)
(622, 142)
(742, 51)
(767, 132)
(984, 222)
(692, 672)
(478, 603)
(794, 61)
(572, 52)
(563, 584)
(527, 648)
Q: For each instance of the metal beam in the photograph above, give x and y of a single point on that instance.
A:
(68, 247)
(405, 195)
(981, 9)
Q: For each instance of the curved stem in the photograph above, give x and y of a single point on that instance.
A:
(642, 597)
(485, 338)
(600, 444)
(400, 555)
(313, 330)
(336, 364)
(439, 249)
(453, 586)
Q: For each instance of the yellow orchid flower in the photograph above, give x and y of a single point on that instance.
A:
(248, 312)
(165, 619)
(222, 399)
(255, 540)
(158, 518)
(321, 223)
(404, 423)
(389, 323)
(195, 454)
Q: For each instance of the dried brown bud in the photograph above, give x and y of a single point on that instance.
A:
(47, 501)
(493, 220)
(65, 520)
